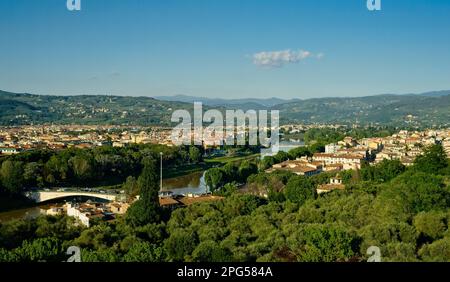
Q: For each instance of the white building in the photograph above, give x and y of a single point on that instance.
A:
(332, 148)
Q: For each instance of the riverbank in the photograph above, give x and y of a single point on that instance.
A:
(8, 203)
(228, 159)
(173, 172)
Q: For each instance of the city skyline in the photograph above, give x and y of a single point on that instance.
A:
(252, 49)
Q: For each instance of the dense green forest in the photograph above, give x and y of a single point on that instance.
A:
(403, 211)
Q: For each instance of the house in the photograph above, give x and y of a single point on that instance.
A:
(300, 166)
(335, 184)
(78, 213)
(349, 161)
(333, 167)
(87, 212)
(348, 142)
(118, 207)
(8, 150)
(332, 148)
(54, 211)
(168, 202)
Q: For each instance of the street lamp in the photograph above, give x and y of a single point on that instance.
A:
(160, 171)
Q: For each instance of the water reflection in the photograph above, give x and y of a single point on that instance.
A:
(193, 183)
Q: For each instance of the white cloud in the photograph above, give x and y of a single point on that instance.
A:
(281, 58)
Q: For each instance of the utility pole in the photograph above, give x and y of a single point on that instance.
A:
(160, 175)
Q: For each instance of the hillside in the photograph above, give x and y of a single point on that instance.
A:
(19, 109)
(427, 109)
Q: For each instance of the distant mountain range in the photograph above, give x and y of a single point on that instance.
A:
(426, 109)
(265, 103)
(245, 103)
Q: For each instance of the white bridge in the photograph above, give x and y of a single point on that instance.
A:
(42, 196)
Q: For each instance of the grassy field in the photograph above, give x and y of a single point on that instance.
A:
(224, 160)
(186, 169)
(208, 163)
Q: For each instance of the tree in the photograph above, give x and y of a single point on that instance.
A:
(40, 249)
(322, 243)
(414, 192)
(433, 161)
(82, 167)
(230, 171)
(144, 252)
(194, 154)
(431, 224)
(236, 204)
(32, 174)
(100, 255)
(214, 178)
(399, 252)
(180, 245)
(57, 167)
(299, 152)
(299, 189)
(131, 187)
(146, 210)
(438, 251)
(227, 190)
(382, 172)
(8, 256)
(267, 162)
(246, 169)
(281, 156)
(12, 176)
(210, 251)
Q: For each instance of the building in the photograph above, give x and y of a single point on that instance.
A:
(8, 150)
(332, 148)
(446, 145)
(54, 211)
(333, 167)
(348, 161)
(78, 213)
(88, 212)
(335, 184)
(168, 202)
(118, 207)
(300, 166)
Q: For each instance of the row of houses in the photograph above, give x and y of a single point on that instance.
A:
(89, 211)
(79, 136)
(350, 154)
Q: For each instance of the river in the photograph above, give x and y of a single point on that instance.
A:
(193, 183)
(182, 185)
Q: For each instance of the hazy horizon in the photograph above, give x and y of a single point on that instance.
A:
(254, 49)
(222, 98)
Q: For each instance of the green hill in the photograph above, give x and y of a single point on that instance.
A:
(400, 110)
(17, 109)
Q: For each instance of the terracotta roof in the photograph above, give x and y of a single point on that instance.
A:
(192, 200)
(336, 156)
(330, 187)
(167, 201)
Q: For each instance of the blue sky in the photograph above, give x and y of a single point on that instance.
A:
(225, 48)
